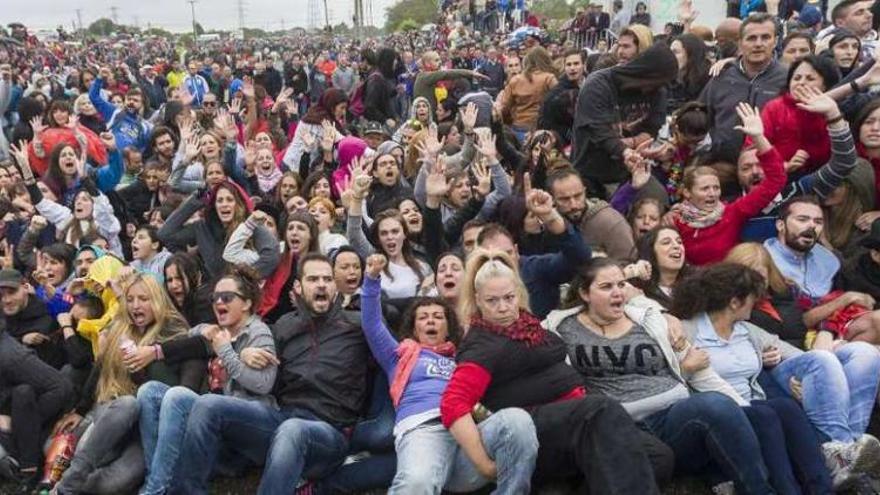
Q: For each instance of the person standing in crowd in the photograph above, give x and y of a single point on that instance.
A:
(755, 78)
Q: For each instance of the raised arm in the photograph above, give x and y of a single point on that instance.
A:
(762, 194)
(382, 343)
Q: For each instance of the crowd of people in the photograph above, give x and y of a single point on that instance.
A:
(446, 260)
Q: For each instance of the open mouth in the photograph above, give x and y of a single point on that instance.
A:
(220, 312)
(391, 246)
(675, 255)
(321, 297)
(351, 281)
(431, 332)
(449, 284)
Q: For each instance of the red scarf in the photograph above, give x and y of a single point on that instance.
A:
(527, 329)
(275, 283)
(409, 351)
(765, 306)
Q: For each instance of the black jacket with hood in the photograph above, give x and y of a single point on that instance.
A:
(618, 102)
(323, 363)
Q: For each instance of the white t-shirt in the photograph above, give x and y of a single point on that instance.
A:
(405, 281)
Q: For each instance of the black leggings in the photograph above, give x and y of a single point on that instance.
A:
(595, 438)
(32, 416)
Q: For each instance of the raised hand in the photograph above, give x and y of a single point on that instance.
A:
(37, 125)
(361, 179)
(751, 120)
(329, 137)
(431, 146)
(250, 156)
(486, 144)
(484, 179)
(309, 140)
(235, 106)
(192, 148)
(539, 202)
(375, 264)
(686, 12)
(20, 153)
(436, 184)
(641, 174)
(109, 140)
(815, 101)
(469, 117)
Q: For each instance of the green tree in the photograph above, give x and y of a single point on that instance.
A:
(408, 25)
(102, 27)
(158, 32)
(419, 11)
(553, 9)
(199, 29)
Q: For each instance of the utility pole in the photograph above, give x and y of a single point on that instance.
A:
(241, 17)
(114, 14)
(326, 17)
(192, 5)
(79, 19)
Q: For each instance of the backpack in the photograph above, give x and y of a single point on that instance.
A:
(356, 102)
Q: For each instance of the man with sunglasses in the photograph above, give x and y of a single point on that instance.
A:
(320, 390)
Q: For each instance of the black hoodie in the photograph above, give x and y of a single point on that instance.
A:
(617, 102)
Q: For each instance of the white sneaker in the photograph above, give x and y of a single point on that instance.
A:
(865, 456)
(839, 465)
(725, 488)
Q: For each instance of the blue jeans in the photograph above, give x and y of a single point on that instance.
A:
(290, 443)
(303, 446)
(839, 389)
(789, 447)
(429, 459)
(164, 412)
(710, 430)
(374, 434)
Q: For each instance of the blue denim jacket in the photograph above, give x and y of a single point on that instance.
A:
(812, 272)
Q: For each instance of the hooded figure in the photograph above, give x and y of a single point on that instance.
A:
(620, 102)
(348, 149)
(103, 270)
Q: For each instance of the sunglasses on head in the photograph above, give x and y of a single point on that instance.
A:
(225, 297)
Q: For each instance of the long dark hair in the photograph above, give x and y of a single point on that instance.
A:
(387, 62)
(646, 249)
(712, 288)
(696, 75)
(406, 249)
(189, 269)
(407, 322)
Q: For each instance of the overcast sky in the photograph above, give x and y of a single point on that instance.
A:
(175, 14)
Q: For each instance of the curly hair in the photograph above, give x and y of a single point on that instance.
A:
(408, 321)
(712, 288)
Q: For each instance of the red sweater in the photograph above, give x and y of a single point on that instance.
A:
(789, 129)
(711, 244)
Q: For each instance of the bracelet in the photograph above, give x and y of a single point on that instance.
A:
(160, 356)
(835, 119)
(854, 85)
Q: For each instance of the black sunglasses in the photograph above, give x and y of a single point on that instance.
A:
(210, 103)
(225, 297)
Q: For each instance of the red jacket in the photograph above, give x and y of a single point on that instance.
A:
(711, 244)
(789, 129)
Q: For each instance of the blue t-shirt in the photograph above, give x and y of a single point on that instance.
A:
(734, 359)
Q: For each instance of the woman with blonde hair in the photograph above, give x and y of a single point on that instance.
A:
(507, 359)
(108, 457)
(521, 99)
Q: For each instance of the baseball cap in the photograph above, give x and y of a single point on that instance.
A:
(11, 278)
